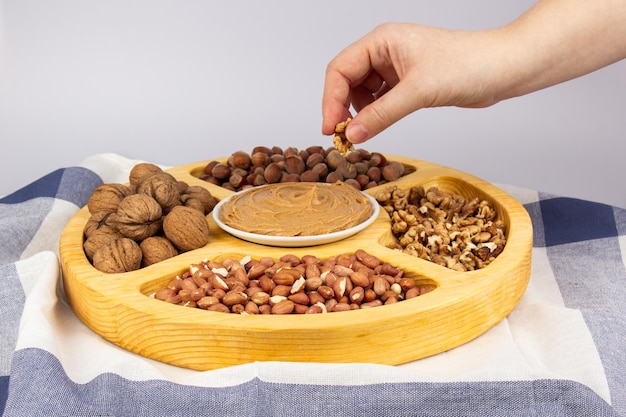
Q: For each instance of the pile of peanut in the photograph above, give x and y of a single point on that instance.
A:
(291, 285)
(447, 229)
(360, 168)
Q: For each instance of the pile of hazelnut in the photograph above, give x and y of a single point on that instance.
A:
(359, 168)
(153, 218)
(291, 284)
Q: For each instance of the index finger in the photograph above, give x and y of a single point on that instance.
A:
(335, 102)
(345, 71)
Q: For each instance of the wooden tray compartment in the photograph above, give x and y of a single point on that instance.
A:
(462, 306)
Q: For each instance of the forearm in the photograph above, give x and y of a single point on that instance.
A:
(558, 40)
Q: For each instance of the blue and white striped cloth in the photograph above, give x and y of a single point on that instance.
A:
(561, 352)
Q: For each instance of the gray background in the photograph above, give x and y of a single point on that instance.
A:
(173, 82)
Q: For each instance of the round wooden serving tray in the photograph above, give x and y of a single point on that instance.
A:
(461, 307)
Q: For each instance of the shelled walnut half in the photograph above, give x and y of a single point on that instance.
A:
(342, 144)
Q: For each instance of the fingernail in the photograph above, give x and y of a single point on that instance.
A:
(356, 133)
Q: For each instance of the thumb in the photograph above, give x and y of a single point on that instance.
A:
(380, 114)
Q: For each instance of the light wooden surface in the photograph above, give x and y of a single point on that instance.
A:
(463, 305)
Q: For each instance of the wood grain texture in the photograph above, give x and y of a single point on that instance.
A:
(462, 306)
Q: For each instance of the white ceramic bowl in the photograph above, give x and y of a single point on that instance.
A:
(294, 241)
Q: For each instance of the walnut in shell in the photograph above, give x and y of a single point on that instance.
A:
(97, 221)
(141, 170)
(106, 197)
(156, 249)
(182, 186)
(138, 217)
(99, 238)
(163, 187)
(199, 198)
(186, 228)
(119, 255)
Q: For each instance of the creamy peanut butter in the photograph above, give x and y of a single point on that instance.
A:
(296, 209)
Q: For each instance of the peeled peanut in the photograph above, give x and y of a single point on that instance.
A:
(291, 285)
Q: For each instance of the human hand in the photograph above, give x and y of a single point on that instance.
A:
(399, 68)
